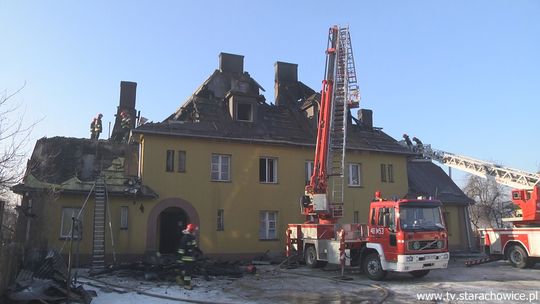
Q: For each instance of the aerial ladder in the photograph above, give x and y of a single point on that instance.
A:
(339, 93)
(521, 243)
(379, 246)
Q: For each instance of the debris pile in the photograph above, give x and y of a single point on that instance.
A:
(45, 281)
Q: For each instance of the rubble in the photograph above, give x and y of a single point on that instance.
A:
(46, 281)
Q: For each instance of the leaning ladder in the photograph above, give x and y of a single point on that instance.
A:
(98, 248)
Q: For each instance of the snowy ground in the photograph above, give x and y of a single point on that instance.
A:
(302, 285)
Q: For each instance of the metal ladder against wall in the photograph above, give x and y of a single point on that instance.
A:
(98, 247)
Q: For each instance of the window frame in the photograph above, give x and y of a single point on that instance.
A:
(74, 212)
(350, 175)
(220, 164)
(238, 104)
(220, 220)
(390, 168)
(169, 161)
(384, 178)
(266, 171)
(181, 168)
(309, 166)
(266, 221)
(124, 217)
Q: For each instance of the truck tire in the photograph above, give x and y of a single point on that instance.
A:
(372, 267)
(517, 256)
(419, 273)
(310, 256)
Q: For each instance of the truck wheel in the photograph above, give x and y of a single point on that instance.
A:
(419, 273)
(518, 257)
(310, 256)
(373, 268)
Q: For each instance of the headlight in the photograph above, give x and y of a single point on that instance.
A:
(445, 256)
(440, 244)
(416, 245)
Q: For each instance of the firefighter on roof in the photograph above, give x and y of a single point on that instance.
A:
(188, 251)
(125, 123)
(96, 127)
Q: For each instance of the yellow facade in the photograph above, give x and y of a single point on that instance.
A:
(243, 197)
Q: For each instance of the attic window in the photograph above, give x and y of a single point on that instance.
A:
(244, 112)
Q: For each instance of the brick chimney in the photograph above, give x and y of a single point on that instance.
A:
(128, 94)
(286, 78)
(366, 117)
(231, 63)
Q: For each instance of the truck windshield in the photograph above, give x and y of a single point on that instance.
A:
(420, 218)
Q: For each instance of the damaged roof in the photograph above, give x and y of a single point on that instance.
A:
(429, 180)
(207, 114)
(72, 165)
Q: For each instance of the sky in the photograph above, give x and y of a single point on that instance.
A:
(463, 76)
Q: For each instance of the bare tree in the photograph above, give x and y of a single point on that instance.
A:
(492, 202)
(14, 136)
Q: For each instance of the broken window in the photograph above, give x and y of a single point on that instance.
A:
(268, 170)
(220, 220)
(169, 166)
(244, 111)
(124, 212)
(383, 173)
(68, 213)
(308, 170)
(221, 167)
(267, 225)
(182, 161)
(355, 175)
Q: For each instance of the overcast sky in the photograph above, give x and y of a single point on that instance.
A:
(463, 76)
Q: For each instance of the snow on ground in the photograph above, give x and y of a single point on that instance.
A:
(304, 285)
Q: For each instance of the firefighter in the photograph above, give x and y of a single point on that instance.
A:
(188, 251)
(125, 124)
(96, 126)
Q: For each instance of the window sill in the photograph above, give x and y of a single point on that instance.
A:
(268, 183)
(220, 181)
(355, 186)
(268, 240)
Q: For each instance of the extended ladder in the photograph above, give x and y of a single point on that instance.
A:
(346, 95)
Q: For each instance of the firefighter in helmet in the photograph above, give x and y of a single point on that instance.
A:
(125, 124)
(188, 252)
(96, 126)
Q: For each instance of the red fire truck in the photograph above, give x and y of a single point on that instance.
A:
(519, 244)
(405, 235)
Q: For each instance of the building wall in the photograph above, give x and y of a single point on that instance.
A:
(455, 225)
(244, 196)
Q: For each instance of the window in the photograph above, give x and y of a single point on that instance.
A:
(268, 170)
(372, 217)
(221, 167)
(267, 225)
(355, 175)
(356, 218)
(390, 173)
(383, 173)
(446, 217)
(308, 170)
(182, 161)
(124, 212)
(67, 223)
(169, 166)
(220, 222)
(244, 112)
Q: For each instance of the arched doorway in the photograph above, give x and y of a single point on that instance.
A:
(171, 222)
(153, 234)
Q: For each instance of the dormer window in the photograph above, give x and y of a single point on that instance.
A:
(242, 108)
(244, 112)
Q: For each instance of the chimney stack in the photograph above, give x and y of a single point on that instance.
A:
(286, 77)
(366, 117)
(128, 94)
(231, 63)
